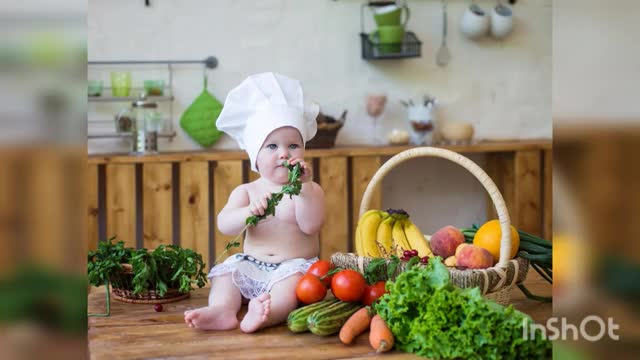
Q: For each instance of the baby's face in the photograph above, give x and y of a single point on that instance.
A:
(283, 143)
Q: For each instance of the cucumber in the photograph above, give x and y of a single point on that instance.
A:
(329, 320)
(297, 319)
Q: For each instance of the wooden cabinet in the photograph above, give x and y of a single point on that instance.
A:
(175, 197)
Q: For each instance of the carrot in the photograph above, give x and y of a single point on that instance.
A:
(380, 337)
(355, 325)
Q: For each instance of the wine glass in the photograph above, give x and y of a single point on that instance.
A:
(375, 108)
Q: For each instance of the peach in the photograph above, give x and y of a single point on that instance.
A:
(474, 257)
(445, 241)
(460, 248)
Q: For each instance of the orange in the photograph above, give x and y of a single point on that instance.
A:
(489, 235)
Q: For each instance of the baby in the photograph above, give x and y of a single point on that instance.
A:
(266, 115)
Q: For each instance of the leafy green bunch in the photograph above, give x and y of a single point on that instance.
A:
(431, 317)
(106, 261)
(167, 266)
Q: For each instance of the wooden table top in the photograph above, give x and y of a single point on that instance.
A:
(137, 331)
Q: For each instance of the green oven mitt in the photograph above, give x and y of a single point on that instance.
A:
(199, 120)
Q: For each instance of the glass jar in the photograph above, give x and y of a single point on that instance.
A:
(145, 123)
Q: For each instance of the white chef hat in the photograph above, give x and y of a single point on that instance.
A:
(261, 104)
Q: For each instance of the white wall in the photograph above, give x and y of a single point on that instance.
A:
(502, 87)
(596, 57)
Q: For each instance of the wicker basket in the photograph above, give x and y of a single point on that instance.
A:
(122, 290)
(326, 136)
(328, 128)
(496, 282)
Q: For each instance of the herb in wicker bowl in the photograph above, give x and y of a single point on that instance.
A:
(168, 268)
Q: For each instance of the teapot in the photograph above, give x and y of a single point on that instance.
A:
(141, 120)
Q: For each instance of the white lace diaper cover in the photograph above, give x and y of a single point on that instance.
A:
(254, 277)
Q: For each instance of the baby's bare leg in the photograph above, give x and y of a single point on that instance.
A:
(282, 301)
(224, 304)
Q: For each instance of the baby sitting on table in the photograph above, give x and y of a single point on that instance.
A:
(266, 115)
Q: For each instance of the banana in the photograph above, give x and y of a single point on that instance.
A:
(369, 232)
(385, 236)
(416, 239)
(359, 247)
(399, 238)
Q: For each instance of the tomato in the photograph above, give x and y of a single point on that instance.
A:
(348, 285)
(320, 268)
(310, 289)
(373, 292)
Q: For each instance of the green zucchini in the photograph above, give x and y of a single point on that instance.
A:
(329, 320)
(297, 319)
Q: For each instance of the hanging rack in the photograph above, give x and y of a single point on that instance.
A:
(210, 62)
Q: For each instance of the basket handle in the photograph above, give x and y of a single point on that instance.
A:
(481, 175)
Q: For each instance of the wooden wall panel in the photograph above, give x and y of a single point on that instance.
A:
(227, 175)
(334, 236)
(253, 176)
(527, 192)
(7, 214)
(194, 208)
(92, 206)
(310, 163)
(500, 167)
(362, 170)
(547, 188)
(44, 217)
(157, 198)
(121, 202)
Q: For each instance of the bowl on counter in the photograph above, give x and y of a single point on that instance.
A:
(398, 137)
(457, 132)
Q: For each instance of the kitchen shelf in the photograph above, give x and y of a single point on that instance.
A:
(210, 62)
(127, 135)
(128, 98)
(372, 49)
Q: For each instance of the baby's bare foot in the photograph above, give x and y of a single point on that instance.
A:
(208, 318)
(257, 313)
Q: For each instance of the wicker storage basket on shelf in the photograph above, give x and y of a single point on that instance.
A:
(326, 136)
(495, 283)
(122, 290)
(328, 128)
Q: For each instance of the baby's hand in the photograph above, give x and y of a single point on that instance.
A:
(307, 172)
(259, 205)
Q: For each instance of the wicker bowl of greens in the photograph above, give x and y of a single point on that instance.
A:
(167, 273)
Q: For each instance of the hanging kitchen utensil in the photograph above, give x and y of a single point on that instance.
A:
(443, 57)
(199, 120)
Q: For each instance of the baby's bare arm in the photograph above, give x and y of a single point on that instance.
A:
(310, 208)
(231, 219)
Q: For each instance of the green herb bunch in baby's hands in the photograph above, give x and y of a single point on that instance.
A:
(293, 187)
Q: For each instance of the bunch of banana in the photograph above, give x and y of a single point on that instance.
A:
(385, 233)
